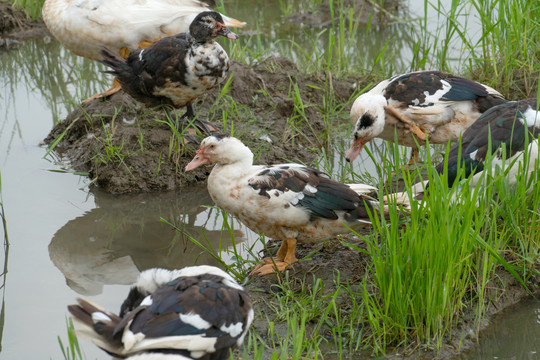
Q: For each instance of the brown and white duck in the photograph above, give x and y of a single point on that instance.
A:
(414, 106)
(87, 26)
(291, 202)
(191, 313)
(176, 70)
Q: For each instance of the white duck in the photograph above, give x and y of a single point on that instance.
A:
(414, 106)
(291, 202)
(87, 26)
(181, 314)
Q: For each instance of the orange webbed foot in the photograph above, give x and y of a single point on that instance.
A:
(270, 267)
(113, 90)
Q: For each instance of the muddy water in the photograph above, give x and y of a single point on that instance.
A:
(67, 241)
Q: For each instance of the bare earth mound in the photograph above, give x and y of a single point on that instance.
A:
(125, 147)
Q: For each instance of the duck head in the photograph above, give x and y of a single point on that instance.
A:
(223, 150)
(368, 118)
(208, 25)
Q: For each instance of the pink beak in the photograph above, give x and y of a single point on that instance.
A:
(197, 161)
(224, 31)
(354, 150)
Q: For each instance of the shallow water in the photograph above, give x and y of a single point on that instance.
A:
(67, 241)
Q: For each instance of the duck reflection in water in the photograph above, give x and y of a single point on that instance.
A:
(124, 235)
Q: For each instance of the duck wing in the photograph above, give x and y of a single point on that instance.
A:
(311, 190)
(501, 127)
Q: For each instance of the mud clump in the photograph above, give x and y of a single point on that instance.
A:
(15, 25)
(127, 147)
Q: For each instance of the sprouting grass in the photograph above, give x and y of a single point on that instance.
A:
(31, 7)
(237, 260)
(3, 215)
(427, 270)
(71, 350)
(5, 264)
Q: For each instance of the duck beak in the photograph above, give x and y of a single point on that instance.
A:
(197, 161)
(355, 149)
(224, 31)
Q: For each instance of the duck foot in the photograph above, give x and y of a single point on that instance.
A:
(270, 266)
(204, 126)
(184, 122)
(113, 90)
(410, 126)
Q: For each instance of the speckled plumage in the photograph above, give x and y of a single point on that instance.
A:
(87, 26)
(196, 312)
(290, 202)
(177, 69)
(504, 128)
(438, 104)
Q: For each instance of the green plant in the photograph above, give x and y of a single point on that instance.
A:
(32, 8)
(71, 350)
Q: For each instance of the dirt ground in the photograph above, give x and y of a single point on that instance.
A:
(90, 130)
(121, 145)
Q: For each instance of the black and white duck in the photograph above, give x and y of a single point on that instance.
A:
(197, 312)
(503, 131)
(414, 106)
(508, 132)
(290, 202)
(87, 26)
(176, 70)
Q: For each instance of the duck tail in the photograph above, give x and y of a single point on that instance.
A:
(404, 199)
(114, 61)
(233, 22)
(97, 324)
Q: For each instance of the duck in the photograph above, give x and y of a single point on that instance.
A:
(176, 70)
(290, 202)
(416, 106)
(503, 131)
(85, 27)
(190, 313)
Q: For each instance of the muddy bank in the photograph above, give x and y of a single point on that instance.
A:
(333, 263)
(126, 147)
(16, 26)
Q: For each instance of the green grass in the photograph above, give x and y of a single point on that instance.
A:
(71, 350)
(426, 271)
(31, 7)
(5, 265)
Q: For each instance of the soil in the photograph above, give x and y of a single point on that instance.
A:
(90, 132)
(125, 148)
(16, 26)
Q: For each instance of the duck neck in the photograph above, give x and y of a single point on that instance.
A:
(240, 165)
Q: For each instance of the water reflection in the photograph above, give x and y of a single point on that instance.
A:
(512, 334)
(123, 235)
(3, 276)
(61, 78)
(269, 32)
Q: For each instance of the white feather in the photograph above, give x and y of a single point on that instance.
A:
(195, 320)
